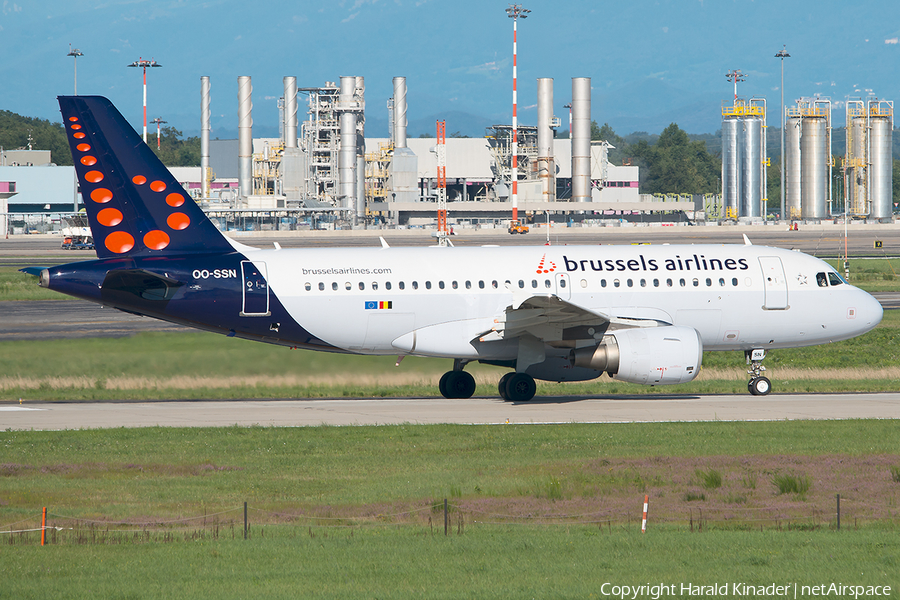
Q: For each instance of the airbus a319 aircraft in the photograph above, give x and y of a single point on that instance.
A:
(642, 314)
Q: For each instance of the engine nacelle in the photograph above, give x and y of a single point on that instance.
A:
(646, 355)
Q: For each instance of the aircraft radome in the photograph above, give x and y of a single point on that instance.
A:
(642, 314)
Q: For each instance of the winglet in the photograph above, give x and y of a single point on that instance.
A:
(747, 241)
(384, 243)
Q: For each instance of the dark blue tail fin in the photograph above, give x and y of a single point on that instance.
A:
(135, 206)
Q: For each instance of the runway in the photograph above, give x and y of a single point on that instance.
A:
(384, 411)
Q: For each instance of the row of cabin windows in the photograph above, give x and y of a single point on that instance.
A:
(534, 283)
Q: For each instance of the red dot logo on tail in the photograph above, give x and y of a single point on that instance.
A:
(546, 266)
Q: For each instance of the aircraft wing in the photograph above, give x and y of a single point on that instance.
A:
(552, 319)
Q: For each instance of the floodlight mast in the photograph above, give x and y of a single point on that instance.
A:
(140, 62)
(75, 53)
(515, 12)
(158, 120)
(782, 54)
(735, 75)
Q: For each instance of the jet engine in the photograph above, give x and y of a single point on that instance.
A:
(646, 355)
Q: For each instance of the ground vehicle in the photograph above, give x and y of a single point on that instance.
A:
(516, 227)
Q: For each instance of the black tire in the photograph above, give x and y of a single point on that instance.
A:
(442, 384)
(457, 384)
(520, 388)
(760, 386)
(501, 386)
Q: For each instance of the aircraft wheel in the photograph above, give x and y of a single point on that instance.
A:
(759, 386)
(501, 386)
(457, 384)
(520, 387)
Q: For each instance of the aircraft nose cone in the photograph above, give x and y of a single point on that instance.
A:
(869, 311)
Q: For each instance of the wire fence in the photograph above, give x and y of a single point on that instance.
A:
(439, 517)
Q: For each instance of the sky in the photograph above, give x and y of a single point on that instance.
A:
(651, 62)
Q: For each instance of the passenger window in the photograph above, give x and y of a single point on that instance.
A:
(602, 283)
(494, 284)
(454, 285)
(321, 286)
(821, 279)
(374, 285)
(547, 283)
(643, 283)
(734, 281)
(521, 284)
(387, 285)
(415, 285)
(468, 285)
(534, 283)
(562, 283)
(835, 279)
(630, 283)
(682, 282)
(401, 285)
(669, 282)
(348, 286)
(308, 286)
(334, 285)
(480, 284)
(708, 282)
(584, 283)
(696, 282)
(615, 283)
(362, 286)
(427, 285)
(656, 283)
(441, 284)
(722, 281)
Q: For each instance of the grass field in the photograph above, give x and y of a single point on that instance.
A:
(204, 365)
(537, 511)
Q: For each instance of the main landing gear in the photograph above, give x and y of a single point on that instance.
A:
(513, 387)
(758, 385)
(457, 383)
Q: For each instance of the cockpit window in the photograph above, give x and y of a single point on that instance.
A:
(830, 278)
(835, 279)
(822, 279)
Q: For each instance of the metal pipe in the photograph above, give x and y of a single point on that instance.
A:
(245, 135)
(347, 152)
(290, 112)
(204, 136)
(581, 139)
(400, 112)
(545, 164)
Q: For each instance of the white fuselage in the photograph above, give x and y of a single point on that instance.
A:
(737, 297)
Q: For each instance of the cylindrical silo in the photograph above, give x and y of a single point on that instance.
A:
(290, 112)
(545, 166)
(581, 139)
(881, 164)
(245, 135)
(792, 190)
(858, 170)
(814, 167)
(204, 136)
(750, 162)
(731, 172)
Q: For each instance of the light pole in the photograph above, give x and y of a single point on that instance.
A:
(515, 12)
(735, 75)
(158, 120)
(75, 54)
(782, 54)
(140, 62)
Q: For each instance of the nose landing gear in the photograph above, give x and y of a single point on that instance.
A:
(758, 384)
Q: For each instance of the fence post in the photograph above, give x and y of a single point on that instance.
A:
(839, 512)
(44, 526)
(446, 519)
(644, 521)
(245, 520)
